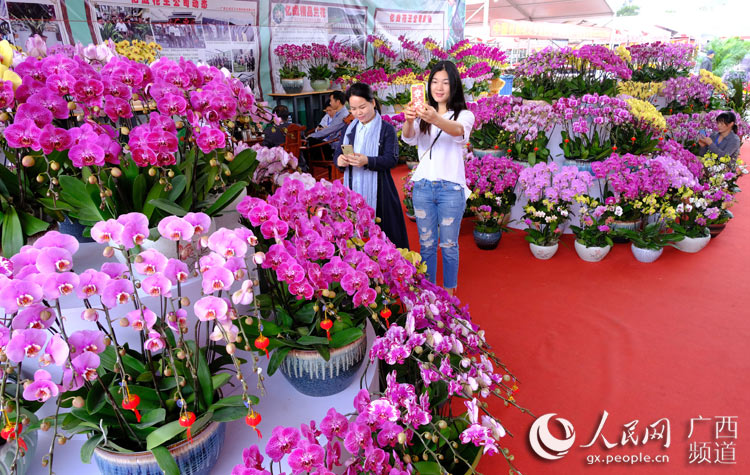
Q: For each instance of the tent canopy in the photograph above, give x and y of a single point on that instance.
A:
(536, 10)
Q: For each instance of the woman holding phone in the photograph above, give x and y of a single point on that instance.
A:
(440, 129)
(368, 152)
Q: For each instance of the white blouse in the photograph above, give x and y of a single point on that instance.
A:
(447, 162)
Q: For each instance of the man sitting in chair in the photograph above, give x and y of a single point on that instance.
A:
(336, 128)
(275, 135)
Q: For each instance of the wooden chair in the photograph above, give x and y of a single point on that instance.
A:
(293, 142)
(320, 166)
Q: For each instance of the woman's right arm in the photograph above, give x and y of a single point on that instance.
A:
(409, 130)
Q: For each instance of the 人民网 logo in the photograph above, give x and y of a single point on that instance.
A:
(547, 445)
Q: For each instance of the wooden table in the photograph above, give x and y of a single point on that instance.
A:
(310, 118)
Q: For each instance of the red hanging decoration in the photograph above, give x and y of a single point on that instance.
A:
(386, 314)
(187, 419)
(13, 431)
(253, 420)
(326, 325)
(261, 343)
(130, 402)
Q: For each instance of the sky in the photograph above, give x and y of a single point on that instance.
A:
(698, 18)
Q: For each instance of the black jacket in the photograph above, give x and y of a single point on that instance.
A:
(388, 208)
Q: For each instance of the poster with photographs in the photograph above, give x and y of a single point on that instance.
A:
(210, 31)
(297, 22)
(46, 18)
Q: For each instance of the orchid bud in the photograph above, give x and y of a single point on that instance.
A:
(71, 106)
(204, 241)
(108, 251)
(4, 117)
(116, 172)
(45, 315)
(124, 130)
(91, 315)
(259, 257)
(231, 348)
(402, 438)
(78, 402)
(124, 322)
(229, 156)
(185, 301)
(249, 321)
(54, 165)
(28, 161)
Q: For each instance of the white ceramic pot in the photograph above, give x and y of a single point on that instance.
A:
(591, 254)
(645, 255)
(692, 245)
(543, 252)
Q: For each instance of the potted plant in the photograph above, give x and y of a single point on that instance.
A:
(644, 131)
(347, 62)
(319, 67)
(658, 61)
(488, 136)
(292, 57)
(19, 420)
(408, 189)
(142, 372)
(593, 237)
(383, 56)
(429, 416)
(492, 181)
(550, 196)
(323, 260)
(529, 125)
(648, 243)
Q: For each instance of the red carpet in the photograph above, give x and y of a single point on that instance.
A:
(642, 341)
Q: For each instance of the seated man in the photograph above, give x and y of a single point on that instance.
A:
(327, 118)
(275, 135)
(335, 129)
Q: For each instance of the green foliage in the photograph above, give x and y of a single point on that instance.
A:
(650, 236)
(728, 52)
(629, 10)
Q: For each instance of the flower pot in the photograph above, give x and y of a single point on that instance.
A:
(320, 85)
(692, 245)
(716, 229)
(398, 108)
(311, 375)
(634, 225)
(412, 164)
(72, 227)
(591, 254)
(196, 458)
(496, 85)
(8, 453)
(581, 165)
(481, 152)
(543, 252)
(293, 86)
(487, 241)
(645, 255)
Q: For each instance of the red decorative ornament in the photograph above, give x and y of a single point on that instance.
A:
(187, 419)
(632, 139)
(13, 431)
(130, 402)
(253, 420)
(509, 150)
(614, 148)
(326, 325)
(386, 314)
(497, 147)
(261, 343)
(567, 140)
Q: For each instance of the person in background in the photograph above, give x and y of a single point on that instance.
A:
(708, 61)
(334, 130)
(275, 135)
(327, 117)
(725, 142)
(440, 129)
(367, 168)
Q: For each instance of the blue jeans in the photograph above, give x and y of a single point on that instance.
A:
(439, 207)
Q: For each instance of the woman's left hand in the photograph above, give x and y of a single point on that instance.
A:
(429, 114)
(707, 141)
(357, 159)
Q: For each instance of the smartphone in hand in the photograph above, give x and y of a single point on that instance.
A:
(417, 96)
(347, 149)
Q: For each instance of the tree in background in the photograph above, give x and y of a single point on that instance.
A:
(628, 9)
(728, 53)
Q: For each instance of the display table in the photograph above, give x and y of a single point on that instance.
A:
(310, 119)
(281, 405)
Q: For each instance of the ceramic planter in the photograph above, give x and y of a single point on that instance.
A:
(543, 252)
(692, 245)
(631, 225)
(293, 86)
(196, 458)
(311, 375)
(8, 453)
(320, 84)
(716, 229)
(487, 241)
(591, 254)
(645, 255)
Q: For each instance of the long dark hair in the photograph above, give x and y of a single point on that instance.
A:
(456, 100)
(728, 118)
(364, 91)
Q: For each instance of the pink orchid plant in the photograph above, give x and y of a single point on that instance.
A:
(139, 354)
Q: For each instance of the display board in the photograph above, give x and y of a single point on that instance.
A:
(46, 18)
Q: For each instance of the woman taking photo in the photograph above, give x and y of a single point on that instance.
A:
(440, 129)
(725, 141)
(369, 151)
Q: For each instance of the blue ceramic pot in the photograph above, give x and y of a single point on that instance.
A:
(293, 86)
(8, 453)
(73, 228)
(311, 375)
(196, 458)
(487, 241)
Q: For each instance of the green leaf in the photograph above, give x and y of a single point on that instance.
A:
(178, 186)
(231, 413)
(283, 318)
(219, 380)
(428, 468)
(108, 358)
(345, 337)
(168, 206)
(277, 358)
(139, 192)
(163, 434)
(306, 314)
(165, 460)
(227, 197)
(12, 239)
(95, 399)
(233, 401)
(133, 365)
(204, 377)
(152, 417)
(308, 340)
(31, 224)
(157, 191)
(87, 450)
(324, 351)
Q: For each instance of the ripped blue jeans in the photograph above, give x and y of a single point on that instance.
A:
(439, 207)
